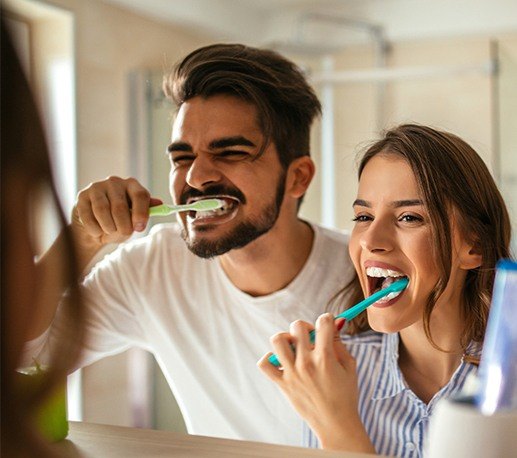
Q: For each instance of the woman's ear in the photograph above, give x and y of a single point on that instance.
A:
(470, 256)
(299, 176)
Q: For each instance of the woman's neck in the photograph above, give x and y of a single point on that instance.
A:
(427, 368)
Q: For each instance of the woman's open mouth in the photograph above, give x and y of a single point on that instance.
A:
(219, 216)
(380, 278)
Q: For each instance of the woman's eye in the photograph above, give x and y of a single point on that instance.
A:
(411, 219)
(362, 218)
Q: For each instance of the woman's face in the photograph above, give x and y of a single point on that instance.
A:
(391, 239)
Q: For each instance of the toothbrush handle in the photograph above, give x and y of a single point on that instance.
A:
(162, 210)
(352, 312)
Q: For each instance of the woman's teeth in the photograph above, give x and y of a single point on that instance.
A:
(389, 297)
(379, 272)
(380, 278)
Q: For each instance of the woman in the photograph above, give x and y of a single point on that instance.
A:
(427, 209)
(26, 178)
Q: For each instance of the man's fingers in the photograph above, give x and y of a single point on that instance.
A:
(114, 207)
(140, 201)
(83, 215)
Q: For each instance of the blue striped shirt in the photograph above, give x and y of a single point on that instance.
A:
(395, 418)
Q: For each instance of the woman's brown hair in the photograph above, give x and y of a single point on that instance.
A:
(26, 173)
(451, 177)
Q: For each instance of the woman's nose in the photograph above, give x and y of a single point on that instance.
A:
(202, 173)
(377, 237)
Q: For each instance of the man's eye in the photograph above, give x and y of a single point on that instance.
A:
(233, 154)
(179, 160)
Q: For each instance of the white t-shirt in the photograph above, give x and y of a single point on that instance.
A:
(206, 334)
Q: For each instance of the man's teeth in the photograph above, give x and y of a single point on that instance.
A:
(217, 212)
(379, 272)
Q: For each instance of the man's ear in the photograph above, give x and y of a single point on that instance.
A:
(299, 176)
(470, 256)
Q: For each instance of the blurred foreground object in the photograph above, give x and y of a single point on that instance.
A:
(484, 423)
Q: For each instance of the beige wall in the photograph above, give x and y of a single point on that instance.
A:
(109, 43)
(461, 104)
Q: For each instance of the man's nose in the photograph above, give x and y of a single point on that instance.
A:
(202, 173)
(378, 237)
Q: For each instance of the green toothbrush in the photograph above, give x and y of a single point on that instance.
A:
(200, 206)
(352, 312)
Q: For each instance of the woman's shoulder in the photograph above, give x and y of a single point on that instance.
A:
(366, 347)
(369, 337)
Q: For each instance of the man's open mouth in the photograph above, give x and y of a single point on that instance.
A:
(379, 278)
(218, 216)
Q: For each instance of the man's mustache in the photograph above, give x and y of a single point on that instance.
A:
(211, 191)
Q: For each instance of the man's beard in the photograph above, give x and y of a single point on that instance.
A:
(244, 233)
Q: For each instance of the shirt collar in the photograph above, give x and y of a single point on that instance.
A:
(389, 379)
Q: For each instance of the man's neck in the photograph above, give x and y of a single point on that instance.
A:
(272, 261)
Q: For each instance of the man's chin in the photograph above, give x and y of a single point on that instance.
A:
(210, 247)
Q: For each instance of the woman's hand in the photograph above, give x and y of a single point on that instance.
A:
(320, 381)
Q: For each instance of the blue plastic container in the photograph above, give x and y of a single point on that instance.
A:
(498, 366)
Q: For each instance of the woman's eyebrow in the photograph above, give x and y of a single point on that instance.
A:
(407, 203)
(395, 204)
(361, 203)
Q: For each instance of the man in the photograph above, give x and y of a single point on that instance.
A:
(207, 307)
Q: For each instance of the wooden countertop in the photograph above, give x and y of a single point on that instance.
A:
(89, 440)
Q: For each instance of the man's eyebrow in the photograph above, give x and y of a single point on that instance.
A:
(395, 204)
(179, 146)
(225, 142)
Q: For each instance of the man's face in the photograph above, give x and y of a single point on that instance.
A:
(213, 153)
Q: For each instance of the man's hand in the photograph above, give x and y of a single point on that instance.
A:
(109, 211)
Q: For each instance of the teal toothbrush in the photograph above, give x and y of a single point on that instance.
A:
(200, 206)
(352, 312)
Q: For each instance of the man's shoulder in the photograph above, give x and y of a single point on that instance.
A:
(336, 236)
(161, 239)
(159, 234)
(162, 248)
(165, 230)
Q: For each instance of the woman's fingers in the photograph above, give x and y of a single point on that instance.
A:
(325, 332)
(282, 343)
(273, 372)
(300, 333)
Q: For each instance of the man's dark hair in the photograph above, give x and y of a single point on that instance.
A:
(285, 102)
